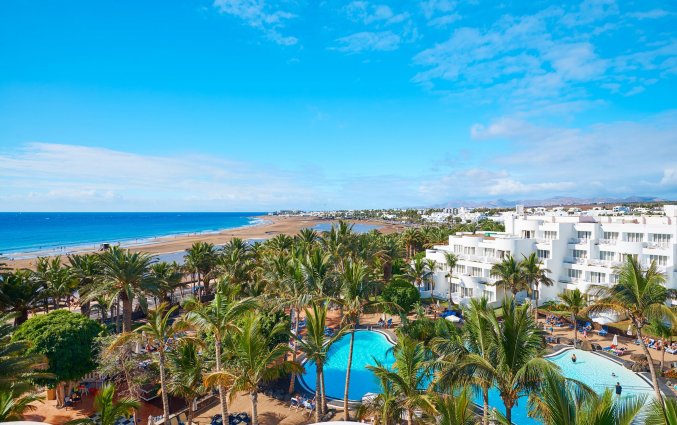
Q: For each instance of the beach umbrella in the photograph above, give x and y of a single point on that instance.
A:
(615, 341)
(453, 318)
(629, 332)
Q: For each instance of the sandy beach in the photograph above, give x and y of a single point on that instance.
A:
(270, 226)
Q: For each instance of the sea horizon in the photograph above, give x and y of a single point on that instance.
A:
(32, 234)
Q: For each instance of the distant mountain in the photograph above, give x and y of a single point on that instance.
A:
(549, 202)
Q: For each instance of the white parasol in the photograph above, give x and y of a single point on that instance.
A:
(615, 340)
(629, 332)
(453, 318)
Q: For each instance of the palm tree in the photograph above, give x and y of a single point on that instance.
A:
(200, 259)
(641, 296)
(186, 373)
(662, 413)
(474, 338)
(15, 404)
(218, 318)
(57, 279)
(662, 330)
(561, 401)
(256, 359)
(417, 272)
(391, 250)
(167, 277)
(432, 266)
(20, 292)
(409, 374)
(85, 269)
(293, 291)
(510, 275)
(450, 259)
(318, 273)
(453, 409)
(410, 238)
(385, 408)
(535, 276)
(18, 372)
(156, 332)
(356, 287)
(575, 302)
(316, 345)
(109, 408)
(127, 275)
(515, 363)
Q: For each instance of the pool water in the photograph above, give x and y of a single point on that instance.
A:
(591, 369)
(369, 348)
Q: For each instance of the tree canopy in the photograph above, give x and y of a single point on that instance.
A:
(66, 339)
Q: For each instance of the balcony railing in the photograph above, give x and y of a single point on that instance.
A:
(608, 241)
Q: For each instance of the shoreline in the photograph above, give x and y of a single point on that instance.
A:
(269, 227)
(130, 243)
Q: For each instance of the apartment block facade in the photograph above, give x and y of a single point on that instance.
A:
(581, 251)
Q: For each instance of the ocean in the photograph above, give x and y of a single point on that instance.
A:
(30, 234)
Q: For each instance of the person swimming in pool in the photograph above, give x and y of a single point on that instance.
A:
(573, 358)
(619, 389)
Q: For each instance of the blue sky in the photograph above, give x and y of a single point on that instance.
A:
(259, 105)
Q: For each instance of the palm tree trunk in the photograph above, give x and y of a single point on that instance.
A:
(573, 317)
(652, 370)
(163, 384)
(318, 393)
(323, 394)
(85, 308)
(508, 414)
(255, 416)
(292, 382)
(485, 407)
(410, 416)
(191, 413)
(126, 311)
(22, 317)
(536, 296)
(222, 389)
(346, 412)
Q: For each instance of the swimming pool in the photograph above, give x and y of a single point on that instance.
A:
(370, 346)
(590, 368)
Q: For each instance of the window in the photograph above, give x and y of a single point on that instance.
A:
(661, 238)
(489, 252)
(488, 295)
(613, 278)
(466, 292)
(580, 253)
(606, 255)
(596, 277)
(527, 234)
(612, 236)
(627, 256)
(543, 254)
(458, 249)
(584, 235)
(661, 260)
(550, 234)
(575, 274)
(455, 287)
(460, 269)
(635, 237)
(469, 250)
(475, 271)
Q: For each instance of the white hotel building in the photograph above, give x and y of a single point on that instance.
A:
(580, 251)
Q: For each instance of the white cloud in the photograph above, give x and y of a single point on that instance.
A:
(260, 15)
(63, 177)
(367, 41)
(369, 13)
(650, 14)
(534, 62)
